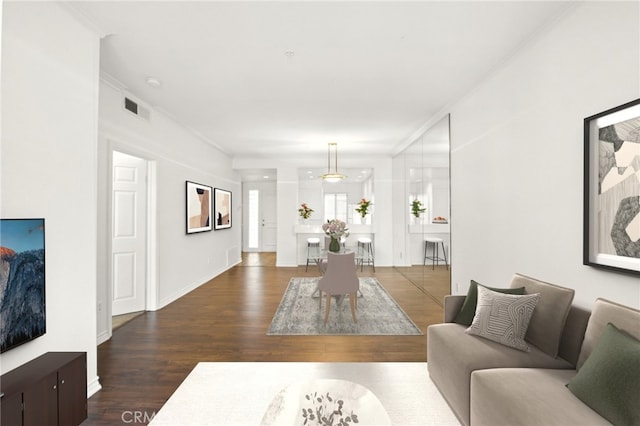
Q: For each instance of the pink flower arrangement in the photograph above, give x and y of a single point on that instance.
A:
(305, 211)
(363, 207)
(335, 228)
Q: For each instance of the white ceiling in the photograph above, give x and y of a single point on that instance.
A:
(260, 79)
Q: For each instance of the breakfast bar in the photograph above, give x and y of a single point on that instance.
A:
(304, 231)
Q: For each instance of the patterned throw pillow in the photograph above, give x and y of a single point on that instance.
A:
(503, 318)
(468, 310)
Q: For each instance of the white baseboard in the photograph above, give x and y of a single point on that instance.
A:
(93, 386)
(190, 287)
(103, 337)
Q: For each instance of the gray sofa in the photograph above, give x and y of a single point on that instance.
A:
(487, 383)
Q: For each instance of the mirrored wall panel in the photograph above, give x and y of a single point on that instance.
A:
(423, 168)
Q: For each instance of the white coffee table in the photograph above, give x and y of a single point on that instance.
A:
(241, 393)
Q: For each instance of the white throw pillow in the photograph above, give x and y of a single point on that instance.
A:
(503, 318)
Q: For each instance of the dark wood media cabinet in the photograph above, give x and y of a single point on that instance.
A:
(49, 390)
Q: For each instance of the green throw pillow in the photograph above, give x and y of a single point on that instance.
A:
(468, 310)
(609, 380)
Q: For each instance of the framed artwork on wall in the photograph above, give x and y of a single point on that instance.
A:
(22, 281)
(222, 209)
(198, 208)
(612, 189)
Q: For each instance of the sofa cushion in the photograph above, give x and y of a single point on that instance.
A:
(453, 355)
(609, 380)
(527, 396)
(468, 310)
(573, 335)
(452, 305)
(603, 313)
(503, 318)
(547, 322)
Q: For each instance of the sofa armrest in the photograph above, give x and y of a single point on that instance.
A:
(452, 305)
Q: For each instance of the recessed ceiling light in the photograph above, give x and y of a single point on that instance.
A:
(289, 53)
(154, 82)
(265, 177)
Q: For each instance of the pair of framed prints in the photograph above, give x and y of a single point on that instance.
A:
(207, 208)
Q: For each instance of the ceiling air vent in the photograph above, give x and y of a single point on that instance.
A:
(134, 108)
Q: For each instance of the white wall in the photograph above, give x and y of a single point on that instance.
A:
(183, 262)
(516, 161)
(287, 206)
(310, 192)
(48, 165)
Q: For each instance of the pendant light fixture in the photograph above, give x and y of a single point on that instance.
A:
(332, 176)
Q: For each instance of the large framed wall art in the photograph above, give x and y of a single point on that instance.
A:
(222, 209)
(22, 281)
(198, 207)
(612, 189)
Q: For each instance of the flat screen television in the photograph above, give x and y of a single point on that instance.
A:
(22, 278)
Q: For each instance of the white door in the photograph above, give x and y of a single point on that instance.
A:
(269, 225)
(128, 227)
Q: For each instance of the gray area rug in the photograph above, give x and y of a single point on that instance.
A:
(377, 314)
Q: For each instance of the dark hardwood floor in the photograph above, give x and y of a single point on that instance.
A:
(226, 319)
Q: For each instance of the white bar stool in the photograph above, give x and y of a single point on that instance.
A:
(313, 251)
(365, 253)
(435, 255)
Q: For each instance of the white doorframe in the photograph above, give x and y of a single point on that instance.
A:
(152, 242)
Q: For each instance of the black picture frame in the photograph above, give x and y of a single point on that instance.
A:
(198, 207)
(222, 209)
(611, 223)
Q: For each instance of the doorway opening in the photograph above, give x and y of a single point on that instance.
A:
(260, 217)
